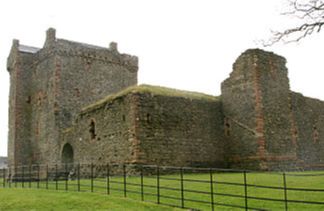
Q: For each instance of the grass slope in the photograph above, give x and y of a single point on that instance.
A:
(31, 199)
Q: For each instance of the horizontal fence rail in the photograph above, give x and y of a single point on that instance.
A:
(191, 188)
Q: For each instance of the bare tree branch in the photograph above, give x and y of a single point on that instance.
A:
(311, 12)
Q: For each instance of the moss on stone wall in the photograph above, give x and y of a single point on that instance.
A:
(153, 90)
(152, 125)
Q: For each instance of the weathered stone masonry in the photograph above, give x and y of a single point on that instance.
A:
(271, 127)
(49, 86)
(142, 126)
(74, 102)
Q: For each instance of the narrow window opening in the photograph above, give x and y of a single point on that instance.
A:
(76, 92)
(28, 100)
(227, 127)
(315, 134)
(148, 118)
(39, 100)
(92, 129)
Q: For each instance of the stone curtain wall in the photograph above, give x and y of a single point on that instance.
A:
(103, 134)
(178, 131)
(309, 115)
(146, 128)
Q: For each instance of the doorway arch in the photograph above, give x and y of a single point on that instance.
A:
(67, 154)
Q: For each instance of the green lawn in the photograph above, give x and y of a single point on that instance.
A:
(196, 187)
(31, 199)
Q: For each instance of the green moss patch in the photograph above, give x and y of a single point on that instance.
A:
(152, 90)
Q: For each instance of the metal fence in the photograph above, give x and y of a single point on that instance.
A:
(194, 188)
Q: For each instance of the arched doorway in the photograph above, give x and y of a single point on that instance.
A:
(67, 154)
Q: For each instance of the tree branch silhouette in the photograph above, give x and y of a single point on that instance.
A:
(311, 13)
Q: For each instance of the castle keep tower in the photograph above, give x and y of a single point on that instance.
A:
(259, 123)
(19, 67)
(50, 85)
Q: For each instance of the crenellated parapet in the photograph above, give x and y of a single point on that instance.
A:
(62, 47)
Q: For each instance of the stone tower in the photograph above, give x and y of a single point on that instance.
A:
(50, 85)
(259, 123)
(19, 141)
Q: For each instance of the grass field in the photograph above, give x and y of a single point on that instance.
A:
(193, 191)
(31, 199)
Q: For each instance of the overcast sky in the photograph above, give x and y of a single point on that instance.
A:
(184, 44)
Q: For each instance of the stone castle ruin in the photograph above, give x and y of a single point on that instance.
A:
(77, 103)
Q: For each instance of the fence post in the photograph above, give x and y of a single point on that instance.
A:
(181, 187)
(23, 176)
(124, 174)
(245, 191)
(38, 175)
(15, 169)
(56, 178)
(142, 184)
(66, 177)
(9, 177)
(91, 177)
(78, 177)
(211, 189)
(4, 177)
(158, 184)
(108, 182)
(285, 190)
(30, 170)
(46, 176)
(108, 179)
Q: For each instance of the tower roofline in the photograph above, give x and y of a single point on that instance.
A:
(13, 54)
(55, 45)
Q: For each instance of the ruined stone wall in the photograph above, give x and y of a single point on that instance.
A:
(179, 131)
(278, 120)
(309, 116)
(257, 109)
(103, 134)
(238, 103)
